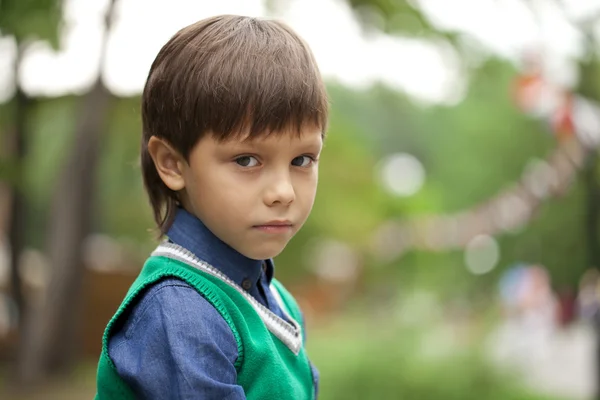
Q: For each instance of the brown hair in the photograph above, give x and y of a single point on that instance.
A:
(229, 76)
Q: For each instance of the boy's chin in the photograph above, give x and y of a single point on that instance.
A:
(264, 253)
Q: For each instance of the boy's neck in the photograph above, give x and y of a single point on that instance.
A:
(189, 232)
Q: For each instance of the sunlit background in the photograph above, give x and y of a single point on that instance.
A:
(454, 248)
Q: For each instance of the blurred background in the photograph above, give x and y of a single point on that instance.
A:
(454, 248)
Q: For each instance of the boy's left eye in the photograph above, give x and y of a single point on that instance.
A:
(302, 161)
(246, 161)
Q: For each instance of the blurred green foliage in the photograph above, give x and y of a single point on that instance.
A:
(373, 359)
(31, 19)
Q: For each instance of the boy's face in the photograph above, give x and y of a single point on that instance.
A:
(254, 195)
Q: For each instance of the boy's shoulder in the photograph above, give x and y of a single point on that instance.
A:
(171, 294)
(170, 302)
(167, 285)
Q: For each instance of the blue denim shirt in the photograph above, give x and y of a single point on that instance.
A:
(174, 344)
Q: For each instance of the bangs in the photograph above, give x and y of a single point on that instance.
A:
(268, 86)
(250, 80)
(276, 101)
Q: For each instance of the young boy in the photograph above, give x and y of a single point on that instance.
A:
(234, 113)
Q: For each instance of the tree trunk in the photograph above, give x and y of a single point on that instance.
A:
(18, 202)
(51, 332)
(592, 206)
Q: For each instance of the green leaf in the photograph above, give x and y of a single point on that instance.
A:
(31, 19)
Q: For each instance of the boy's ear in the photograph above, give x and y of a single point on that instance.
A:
(168, 162)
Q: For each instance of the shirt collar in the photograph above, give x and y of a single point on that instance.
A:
(191, 233)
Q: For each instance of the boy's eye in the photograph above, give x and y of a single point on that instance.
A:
(247, 161)
(302, 161)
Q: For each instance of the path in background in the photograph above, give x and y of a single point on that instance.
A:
(554, 361)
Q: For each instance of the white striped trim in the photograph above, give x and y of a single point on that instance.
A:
(289, 334)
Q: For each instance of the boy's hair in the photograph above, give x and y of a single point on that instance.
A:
(229, 76)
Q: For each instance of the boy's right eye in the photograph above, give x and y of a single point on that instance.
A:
(247, 161)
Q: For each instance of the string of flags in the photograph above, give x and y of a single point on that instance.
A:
(575, 123)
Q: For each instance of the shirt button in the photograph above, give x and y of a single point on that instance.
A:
(246, 284)
(264, 267)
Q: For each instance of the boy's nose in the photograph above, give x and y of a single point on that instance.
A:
(280, 191)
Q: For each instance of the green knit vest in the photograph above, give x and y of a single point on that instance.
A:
(271, 363)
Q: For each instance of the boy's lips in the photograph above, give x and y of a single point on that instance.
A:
(276, 226)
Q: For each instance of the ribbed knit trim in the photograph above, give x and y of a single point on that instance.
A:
(289, 334)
